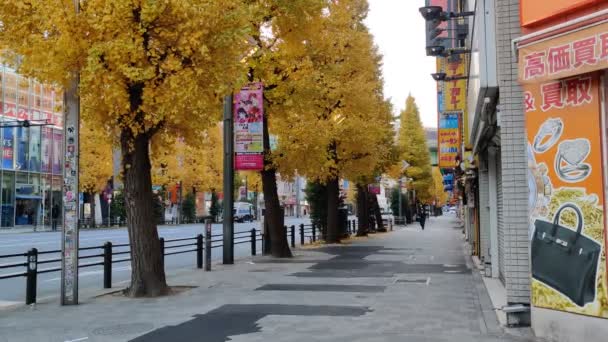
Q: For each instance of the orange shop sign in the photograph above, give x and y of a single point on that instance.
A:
(561, 57)
(537, 11)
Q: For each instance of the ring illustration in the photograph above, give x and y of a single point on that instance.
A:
(569, 161)
(548, 134)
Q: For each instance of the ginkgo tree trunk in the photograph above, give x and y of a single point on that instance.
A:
(150, 71)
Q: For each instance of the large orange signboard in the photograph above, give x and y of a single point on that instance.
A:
(572, 54)
(536, 11)
(566, 203)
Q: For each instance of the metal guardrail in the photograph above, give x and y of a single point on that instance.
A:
(108, 251)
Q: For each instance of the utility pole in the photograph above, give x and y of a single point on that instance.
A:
(71, 207)
(228, 224)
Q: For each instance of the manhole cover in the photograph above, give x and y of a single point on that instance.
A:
(123, 329)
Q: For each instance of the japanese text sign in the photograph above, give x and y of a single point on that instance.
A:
(453, 93)
(448, 139)
(248, 127)
(576, 53)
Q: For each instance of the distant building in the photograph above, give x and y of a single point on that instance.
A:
(431, 142)
(32, 151)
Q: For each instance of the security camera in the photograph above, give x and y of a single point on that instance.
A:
(440, 76)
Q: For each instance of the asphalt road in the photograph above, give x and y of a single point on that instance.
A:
(12, 291)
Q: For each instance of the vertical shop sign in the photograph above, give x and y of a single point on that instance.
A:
(248, 127)
(566, 197)
(455, 91)
(449, 139)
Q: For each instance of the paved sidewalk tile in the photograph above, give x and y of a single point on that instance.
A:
(407, 285)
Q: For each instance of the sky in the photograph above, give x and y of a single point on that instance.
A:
(399, 32)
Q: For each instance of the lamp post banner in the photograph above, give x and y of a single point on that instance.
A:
(248, 127)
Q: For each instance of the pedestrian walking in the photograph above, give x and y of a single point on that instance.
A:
(422, 217)
(54, 217)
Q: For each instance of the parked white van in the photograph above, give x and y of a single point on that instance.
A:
(243, 212)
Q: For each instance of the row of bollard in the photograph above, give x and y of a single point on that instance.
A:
(203, 255)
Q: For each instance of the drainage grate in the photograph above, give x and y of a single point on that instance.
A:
(321, 288)
(412, 281)
(123, 329)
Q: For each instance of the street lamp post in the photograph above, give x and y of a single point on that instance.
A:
(228, 219)
(109, 210)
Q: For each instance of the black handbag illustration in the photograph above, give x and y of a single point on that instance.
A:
(565, 259)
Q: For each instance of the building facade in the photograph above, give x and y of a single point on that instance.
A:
(32, 149)
(562, 60)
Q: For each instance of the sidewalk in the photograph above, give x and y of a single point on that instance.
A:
(408, 285)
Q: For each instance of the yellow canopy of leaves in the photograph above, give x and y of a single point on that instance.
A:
(414, 150)
(148, 66)
(95, 157)
(196, 166)
(328, 109)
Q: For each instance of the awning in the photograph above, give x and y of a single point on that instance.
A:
(28, 196)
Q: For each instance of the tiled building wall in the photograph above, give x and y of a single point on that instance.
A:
(513, 229)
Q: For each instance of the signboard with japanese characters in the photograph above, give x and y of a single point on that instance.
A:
(449, 144)
(452, 94)
(576, 53)
(248, 127)
(566, 195)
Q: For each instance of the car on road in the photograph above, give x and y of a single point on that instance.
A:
(243, 212)
(387, 216)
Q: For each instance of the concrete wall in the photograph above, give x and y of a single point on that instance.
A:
(514, 226)
(557, 326)
(484, 209)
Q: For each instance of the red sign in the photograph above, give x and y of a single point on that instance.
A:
(248, 127)
(576, 53)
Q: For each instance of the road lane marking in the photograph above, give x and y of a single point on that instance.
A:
(78, 339)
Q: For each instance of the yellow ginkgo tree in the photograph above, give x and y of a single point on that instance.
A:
(151, 70)
(339, 123)
(280, 30)
(414, 150)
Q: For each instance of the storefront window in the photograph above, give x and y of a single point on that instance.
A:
(8, 199)
(34, 149)
(57, 151)
(28, 199)
(8, 143)
(47, 198)
(22, 150)
(46, 145)
(57, 196)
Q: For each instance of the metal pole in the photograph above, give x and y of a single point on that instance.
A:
(199, 251)
(69, 238)
(228, 224)
(297, 196)
(107, 265)
(253, 242)
(400, 199)
(293, 236)
(208, 245)
(179, 207)
(31, 276)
